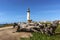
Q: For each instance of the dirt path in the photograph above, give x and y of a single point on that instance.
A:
(7, 33)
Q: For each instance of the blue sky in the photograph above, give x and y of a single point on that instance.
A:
(15, 10)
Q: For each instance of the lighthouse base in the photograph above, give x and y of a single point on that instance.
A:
(29, 21)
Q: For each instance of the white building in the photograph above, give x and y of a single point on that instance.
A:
(28, 16)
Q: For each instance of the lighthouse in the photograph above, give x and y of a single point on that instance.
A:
(28, 15)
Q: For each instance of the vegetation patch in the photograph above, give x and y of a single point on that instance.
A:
(5, 25)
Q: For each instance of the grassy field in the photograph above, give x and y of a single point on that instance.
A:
(5, 25)
(39, 36)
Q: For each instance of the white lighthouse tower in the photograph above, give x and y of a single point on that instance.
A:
(28, 16)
